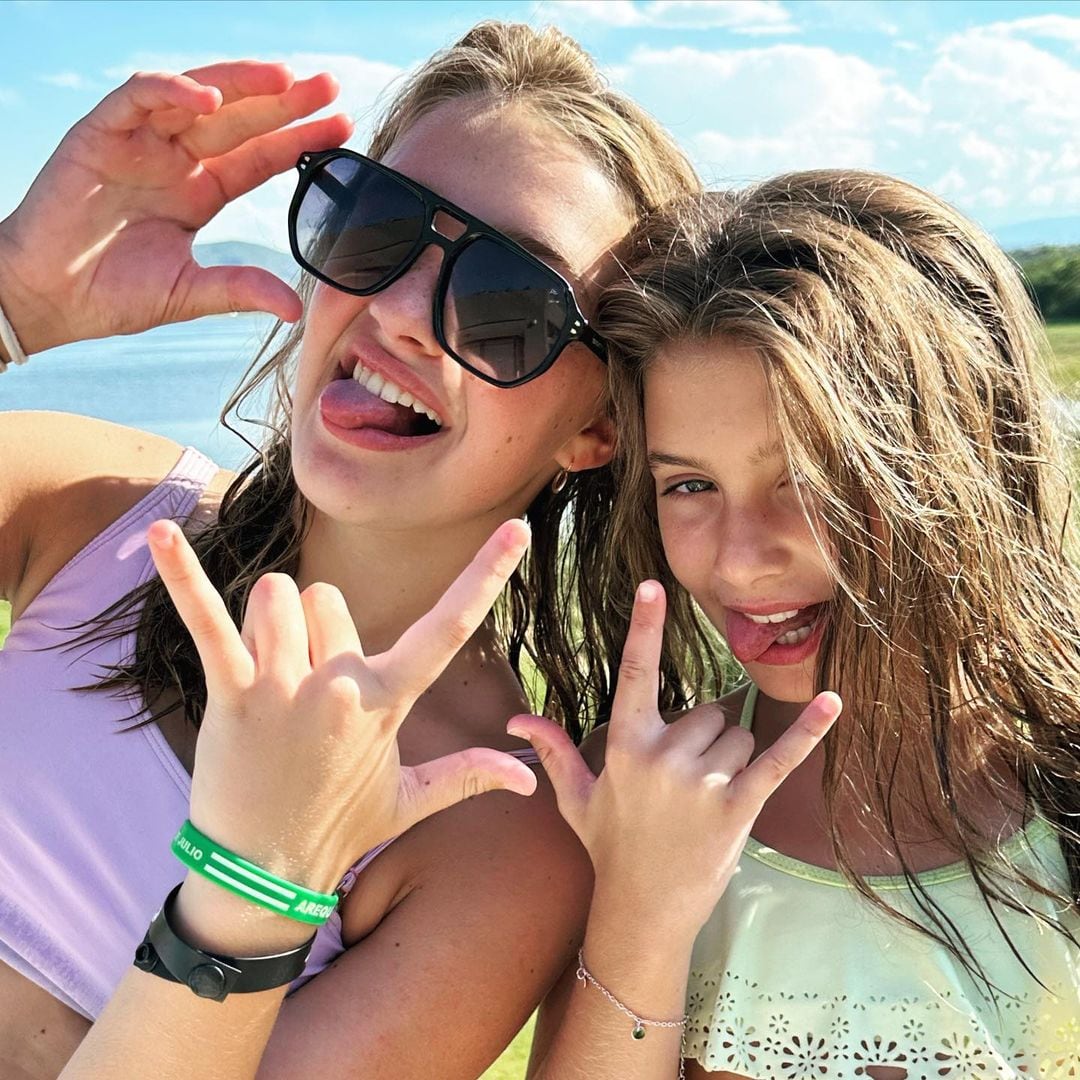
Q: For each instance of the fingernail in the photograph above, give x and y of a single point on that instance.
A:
(648, 591)
(161, 534)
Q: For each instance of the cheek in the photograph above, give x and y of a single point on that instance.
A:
(686, 548)
(546, 411)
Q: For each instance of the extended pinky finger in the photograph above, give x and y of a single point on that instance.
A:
(762, 777)
(130, 105)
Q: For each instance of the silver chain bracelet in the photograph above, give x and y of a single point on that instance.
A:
(640, 1023)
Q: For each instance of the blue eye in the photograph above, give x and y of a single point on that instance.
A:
(689, 487)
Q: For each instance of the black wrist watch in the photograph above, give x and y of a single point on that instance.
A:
(164, 953)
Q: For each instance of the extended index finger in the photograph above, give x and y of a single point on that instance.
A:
(225, 659)
(762, 777)
(638, 687)
(421, 653)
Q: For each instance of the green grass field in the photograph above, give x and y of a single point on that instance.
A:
(1065, 345)
(1065, 342)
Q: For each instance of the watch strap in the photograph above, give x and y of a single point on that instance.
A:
(164, 953)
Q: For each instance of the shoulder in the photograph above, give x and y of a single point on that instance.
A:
(79, 470)
(503, 857)
(731, 704)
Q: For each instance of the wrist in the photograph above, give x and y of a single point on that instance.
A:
(666, 912)
(28, 315)
(215, 920)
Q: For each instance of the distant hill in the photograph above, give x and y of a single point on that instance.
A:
(1045, 232)
(240, 253)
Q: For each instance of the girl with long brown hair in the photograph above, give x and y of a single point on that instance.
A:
(442, 377)
(836, 447)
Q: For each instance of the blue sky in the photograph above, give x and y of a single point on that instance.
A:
(977, 101)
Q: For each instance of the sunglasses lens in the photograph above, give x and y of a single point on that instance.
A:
(502, 313)
(357, 225)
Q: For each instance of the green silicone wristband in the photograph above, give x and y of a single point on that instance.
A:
(197, 851)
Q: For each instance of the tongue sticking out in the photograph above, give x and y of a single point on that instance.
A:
(346, 403)
(748, 639)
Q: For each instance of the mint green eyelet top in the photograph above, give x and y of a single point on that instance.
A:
(795, 975)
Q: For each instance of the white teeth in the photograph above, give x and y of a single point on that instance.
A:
(780, 616)
(388, 391)
(793, 637)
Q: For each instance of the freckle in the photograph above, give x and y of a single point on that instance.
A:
(397, 944)
(427, 783)
(42, 1031)
(509, 439)
(464, 682)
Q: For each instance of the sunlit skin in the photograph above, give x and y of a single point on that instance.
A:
(434, 505)
(734, 530)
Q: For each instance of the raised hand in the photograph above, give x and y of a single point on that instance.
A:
(101, 244)
(296, 764)
(666, 819)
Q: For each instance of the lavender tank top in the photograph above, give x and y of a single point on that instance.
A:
(88, 809)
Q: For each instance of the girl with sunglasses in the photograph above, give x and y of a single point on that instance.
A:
(440, 378)
(829, 403)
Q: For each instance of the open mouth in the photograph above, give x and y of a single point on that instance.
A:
(425, 420)
(367, 401)
(767, 637)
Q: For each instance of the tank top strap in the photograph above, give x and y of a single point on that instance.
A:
(526, 754)
(746, 718)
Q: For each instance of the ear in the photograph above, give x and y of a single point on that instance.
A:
(590, 448)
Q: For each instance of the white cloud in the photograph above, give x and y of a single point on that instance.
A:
(738, 16)
(67, 80)
(1057, 27)
(749, 112)
(992, 120)
(1008, 115)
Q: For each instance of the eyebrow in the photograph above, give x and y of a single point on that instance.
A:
(767, 453)
(760, 455)
(659, 457)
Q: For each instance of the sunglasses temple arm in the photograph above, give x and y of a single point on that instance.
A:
(592, 340)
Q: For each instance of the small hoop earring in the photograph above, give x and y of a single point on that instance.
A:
(560, 481)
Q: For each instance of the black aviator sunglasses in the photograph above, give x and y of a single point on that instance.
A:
(498, 310)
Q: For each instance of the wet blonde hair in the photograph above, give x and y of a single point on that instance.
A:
(902, 355)
(263, 516)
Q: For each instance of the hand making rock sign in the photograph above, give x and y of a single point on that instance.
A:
(664, 824)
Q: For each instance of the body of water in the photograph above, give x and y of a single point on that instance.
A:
(172, 380)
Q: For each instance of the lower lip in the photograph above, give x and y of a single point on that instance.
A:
(777, 655)
(374, 439)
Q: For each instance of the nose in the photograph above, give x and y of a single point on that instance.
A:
(750, 550)
(404, 311)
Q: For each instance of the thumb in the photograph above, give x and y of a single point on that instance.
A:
(570, 776)
(216, 290)
(435, 785)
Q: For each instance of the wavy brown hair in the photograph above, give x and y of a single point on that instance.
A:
(551, 610)
(903, 360)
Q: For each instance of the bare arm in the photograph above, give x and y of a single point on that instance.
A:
(499, 890)
(310, 723)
